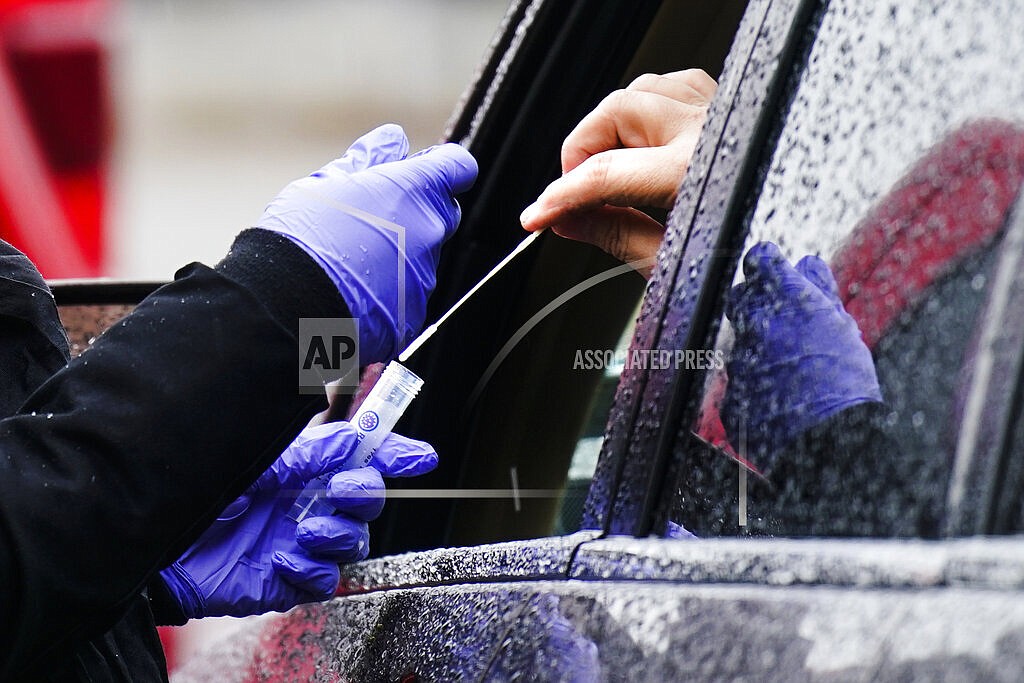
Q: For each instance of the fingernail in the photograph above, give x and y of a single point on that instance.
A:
(528, 214)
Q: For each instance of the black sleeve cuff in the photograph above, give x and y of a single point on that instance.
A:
(848, 476)
(18, 299)
(166, 611)
(283, 276)
(857, 429)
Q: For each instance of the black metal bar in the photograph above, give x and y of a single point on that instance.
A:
(722, 264)
(711, 229)
(101, 292)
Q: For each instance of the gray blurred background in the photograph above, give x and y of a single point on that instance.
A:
(221, 103)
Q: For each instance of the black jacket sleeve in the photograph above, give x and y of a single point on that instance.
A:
(847, 476)
(120, 460)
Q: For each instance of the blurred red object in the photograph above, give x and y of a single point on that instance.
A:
(55, 129)
(55, 132)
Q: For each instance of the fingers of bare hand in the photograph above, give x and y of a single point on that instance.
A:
(630, 118)
(646, 176)
(692, 86)
(620, 177)
(627, 234)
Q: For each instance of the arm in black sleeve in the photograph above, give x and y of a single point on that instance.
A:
(845, 477)
(848, 477)
(119, 461)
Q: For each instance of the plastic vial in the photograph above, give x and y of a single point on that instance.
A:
(377, 415)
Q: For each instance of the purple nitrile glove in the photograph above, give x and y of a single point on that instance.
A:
(255, 559)
(678, 532)
(375, 221)
(798, 357)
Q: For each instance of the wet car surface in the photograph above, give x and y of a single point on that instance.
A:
(781, 610)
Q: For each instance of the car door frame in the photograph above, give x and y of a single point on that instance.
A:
(635, 483)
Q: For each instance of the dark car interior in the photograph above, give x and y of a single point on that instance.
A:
(536, 406)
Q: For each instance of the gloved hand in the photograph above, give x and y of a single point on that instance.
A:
(373, 217)
(255, 559)
(798, 357)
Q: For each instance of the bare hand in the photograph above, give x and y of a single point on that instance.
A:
(632, 150)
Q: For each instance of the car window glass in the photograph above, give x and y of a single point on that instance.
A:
(897, 164)
(533, 432)
(588, 447)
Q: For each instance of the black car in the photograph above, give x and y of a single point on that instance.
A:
(887, 137)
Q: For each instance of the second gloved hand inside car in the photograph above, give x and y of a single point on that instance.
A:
(798, 357)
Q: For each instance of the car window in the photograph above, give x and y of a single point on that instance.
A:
(681, 35)
(504, 402)
(588, 448)
(897, 161)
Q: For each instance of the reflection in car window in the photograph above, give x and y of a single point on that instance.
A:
(898, 165)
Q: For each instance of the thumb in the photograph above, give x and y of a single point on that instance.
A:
(818, 272)
(317, 450)
(318, 579)
(400, 456)
(379, 146)
(629, 235)
(452, 168)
